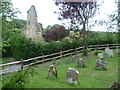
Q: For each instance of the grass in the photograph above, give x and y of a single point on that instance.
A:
(6, 60)
(88, 78)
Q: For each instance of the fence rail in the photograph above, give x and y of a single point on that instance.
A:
(60, 55)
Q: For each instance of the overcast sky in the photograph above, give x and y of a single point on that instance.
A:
(45, 9)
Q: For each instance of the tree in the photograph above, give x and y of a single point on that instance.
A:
(57, 32)
(8, 14)
(118, 21)
(77, 15)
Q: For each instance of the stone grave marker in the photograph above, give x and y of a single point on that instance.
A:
(101, 63)
(110, 53)
(81, 62)
(52, 72)
(72, 76)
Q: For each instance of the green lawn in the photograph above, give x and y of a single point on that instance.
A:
(88, 77)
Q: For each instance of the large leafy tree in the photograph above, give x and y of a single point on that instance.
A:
(77, 15)
(8, 15)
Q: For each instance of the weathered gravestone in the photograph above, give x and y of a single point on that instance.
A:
(101, 63)
(100, 55)
(115, 86)
(118, 50)
(32, 29)
(72, 76)
(52, 72)
(81, 62)
(109, 52)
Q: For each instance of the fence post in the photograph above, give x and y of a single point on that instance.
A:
(97, 47)
(21, 64)
(108, 45)
(75, 51)
(60, 55)
(83, 48)
(43, 59)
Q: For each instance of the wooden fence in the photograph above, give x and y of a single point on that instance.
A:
(59, 55)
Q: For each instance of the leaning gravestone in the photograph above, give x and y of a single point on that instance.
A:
(72, 76)
(52, 72)
(81, 63)
(32, 29)
(101, 63)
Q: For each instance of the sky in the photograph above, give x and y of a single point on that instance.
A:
(45, 11)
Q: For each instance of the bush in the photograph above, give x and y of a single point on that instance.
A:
(97, 51)
(56, 33)
(24, 48)
(19, 79)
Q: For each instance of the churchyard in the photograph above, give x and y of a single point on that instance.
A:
(91, 66)
(88, 76)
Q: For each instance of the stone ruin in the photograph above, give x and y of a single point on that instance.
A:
(101, 64)
(32, 29)
(109, 52)
(52, 72)
(81, 63)
(72, 76)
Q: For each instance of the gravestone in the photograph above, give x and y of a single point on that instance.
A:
(118, 51)
(107, 50)
(72, 76)
(81, 63)
(115, 86)
(52, 72)
(32, 29)
(100, 55)
(101, 63)
(110, 53)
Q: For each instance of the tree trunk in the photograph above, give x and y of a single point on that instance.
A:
(85, 53)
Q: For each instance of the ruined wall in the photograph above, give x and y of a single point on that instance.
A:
(32, 29)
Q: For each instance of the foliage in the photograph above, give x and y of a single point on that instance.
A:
(97, 51)
(85, 52)
(23, 48)
(56, 33)
(50, 27)
(75, 34)
(19, 79)
(20, 24)
(53, 61)
(8, 17)
(77, 15)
